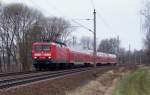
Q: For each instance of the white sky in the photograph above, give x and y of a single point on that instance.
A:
(119, 17)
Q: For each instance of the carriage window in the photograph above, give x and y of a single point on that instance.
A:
(41, 47)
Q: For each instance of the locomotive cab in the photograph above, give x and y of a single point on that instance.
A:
(41, 54)
(41, 51)
(49, 54)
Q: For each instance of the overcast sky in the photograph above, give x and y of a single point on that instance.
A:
(114, 17)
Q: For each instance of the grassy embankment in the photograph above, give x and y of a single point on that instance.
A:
(137, 83)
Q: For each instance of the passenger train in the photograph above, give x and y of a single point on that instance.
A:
(51, 54)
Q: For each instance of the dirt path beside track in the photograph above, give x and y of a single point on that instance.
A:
(103, 85)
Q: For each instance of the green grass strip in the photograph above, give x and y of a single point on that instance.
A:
(137, 83)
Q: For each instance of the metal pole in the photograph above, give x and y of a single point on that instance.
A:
(129, 52)
(134, 56)
(140, 58)
(94, 51)
(118, 60)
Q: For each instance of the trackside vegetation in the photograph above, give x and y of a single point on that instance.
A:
(137, 83)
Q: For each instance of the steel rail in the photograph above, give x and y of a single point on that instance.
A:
(33, 77)
(16, 73)
(28, 79)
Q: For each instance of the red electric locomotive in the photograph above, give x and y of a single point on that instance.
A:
(50, 55)
(47, 55)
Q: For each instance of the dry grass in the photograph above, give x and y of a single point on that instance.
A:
(103, 85)
(137, 83)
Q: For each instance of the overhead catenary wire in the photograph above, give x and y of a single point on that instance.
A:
(55, 8)
(103, 20)
(62, 14)
(99, 15)
(93, 5)
(82, 25)
(37, 6)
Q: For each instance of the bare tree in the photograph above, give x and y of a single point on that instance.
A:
(133, 57)
(109, 45)
(1, 51)
(55, 28)
(86, 43)
(16, 22)
(72, 41)
(7, 37)
(146, 13)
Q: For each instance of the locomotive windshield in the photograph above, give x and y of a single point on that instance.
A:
(41, 47)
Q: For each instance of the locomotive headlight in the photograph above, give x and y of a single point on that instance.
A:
(35, 57)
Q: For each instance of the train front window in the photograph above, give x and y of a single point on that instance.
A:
(46, 47)
(41, 47)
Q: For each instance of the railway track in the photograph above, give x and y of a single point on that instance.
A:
(16, 73)
(16, 80)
